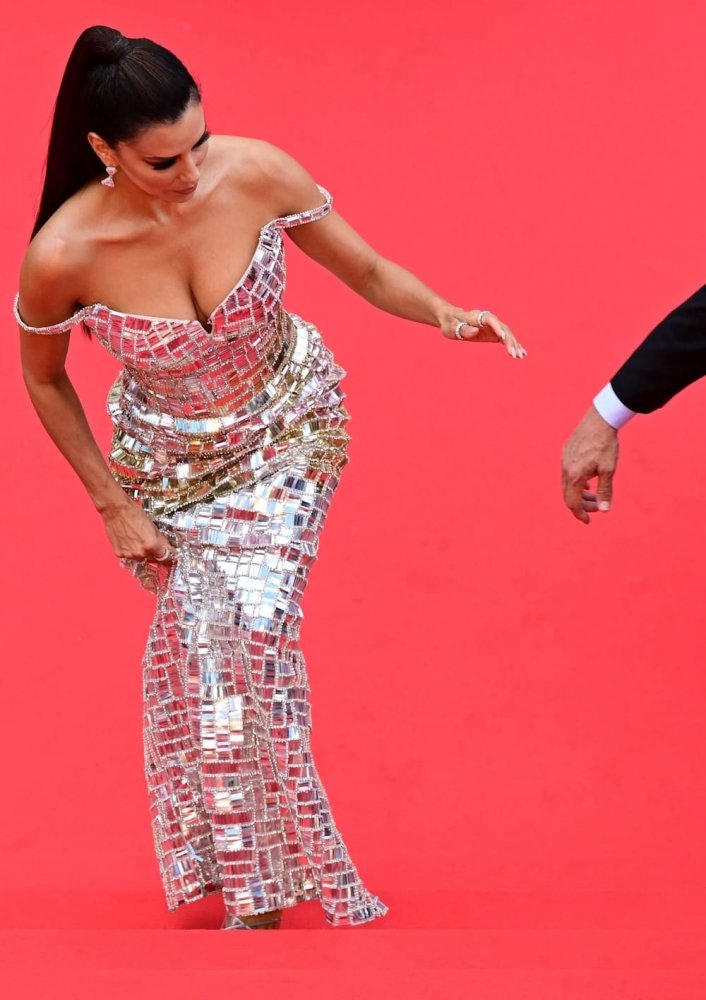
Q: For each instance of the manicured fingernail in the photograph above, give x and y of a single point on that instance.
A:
(604, 505)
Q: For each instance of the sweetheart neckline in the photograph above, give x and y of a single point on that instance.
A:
(207, 327)
(306, 215)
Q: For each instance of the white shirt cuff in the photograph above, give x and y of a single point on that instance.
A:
(611, 409)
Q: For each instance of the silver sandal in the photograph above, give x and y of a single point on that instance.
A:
(233, 923)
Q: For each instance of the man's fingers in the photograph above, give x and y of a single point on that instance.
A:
(604, 490)
(574, 499)
(590, 453)
(580, 514)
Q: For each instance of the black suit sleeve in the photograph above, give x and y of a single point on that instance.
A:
(670, 358)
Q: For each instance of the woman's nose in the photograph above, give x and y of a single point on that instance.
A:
(189, 173)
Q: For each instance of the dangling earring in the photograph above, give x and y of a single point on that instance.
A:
(108, 181)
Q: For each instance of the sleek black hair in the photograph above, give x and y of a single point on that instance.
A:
(114, 86)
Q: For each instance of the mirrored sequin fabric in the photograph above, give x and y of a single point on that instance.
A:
(231, 435)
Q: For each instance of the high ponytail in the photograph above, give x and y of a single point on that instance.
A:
(114, 86)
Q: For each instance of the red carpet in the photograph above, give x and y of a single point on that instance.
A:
(509, 707)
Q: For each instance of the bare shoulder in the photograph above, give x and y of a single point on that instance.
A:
(267, 173)
(51, 271)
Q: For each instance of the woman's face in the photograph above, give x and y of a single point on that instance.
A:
(164, 161)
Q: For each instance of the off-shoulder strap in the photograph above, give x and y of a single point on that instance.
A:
(63, 327)
(308, 215)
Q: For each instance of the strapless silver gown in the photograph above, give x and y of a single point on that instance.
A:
(231, 436)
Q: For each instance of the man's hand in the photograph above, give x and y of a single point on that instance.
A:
(592, 450)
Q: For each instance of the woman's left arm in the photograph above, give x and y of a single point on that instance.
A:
(332, 242)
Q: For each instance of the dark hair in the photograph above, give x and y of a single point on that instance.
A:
(114, 86)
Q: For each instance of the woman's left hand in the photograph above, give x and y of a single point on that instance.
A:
(483, 327)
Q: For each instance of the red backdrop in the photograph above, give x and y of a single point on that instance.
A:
(508, 707)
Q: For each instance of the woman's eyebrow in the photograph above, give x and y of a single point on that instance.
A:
(206, 135)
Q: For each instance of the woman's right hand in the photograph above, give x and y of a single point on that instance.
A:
(483, 327)
(134, 536)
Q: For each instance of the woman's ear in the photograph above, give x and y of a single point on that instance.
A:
(101, 148)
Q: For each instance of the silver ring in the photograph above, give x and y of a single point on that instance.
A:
(459, 326)
(164, 556)
(481, 317)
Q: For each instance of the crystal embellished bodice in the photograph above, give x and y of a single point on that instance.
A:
(204, 405)
(238, 333)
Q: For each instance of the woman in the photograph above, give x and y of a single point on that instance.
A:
(228, 442)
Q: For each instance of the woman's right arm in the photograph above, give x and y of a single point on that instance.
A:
(44, 301)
